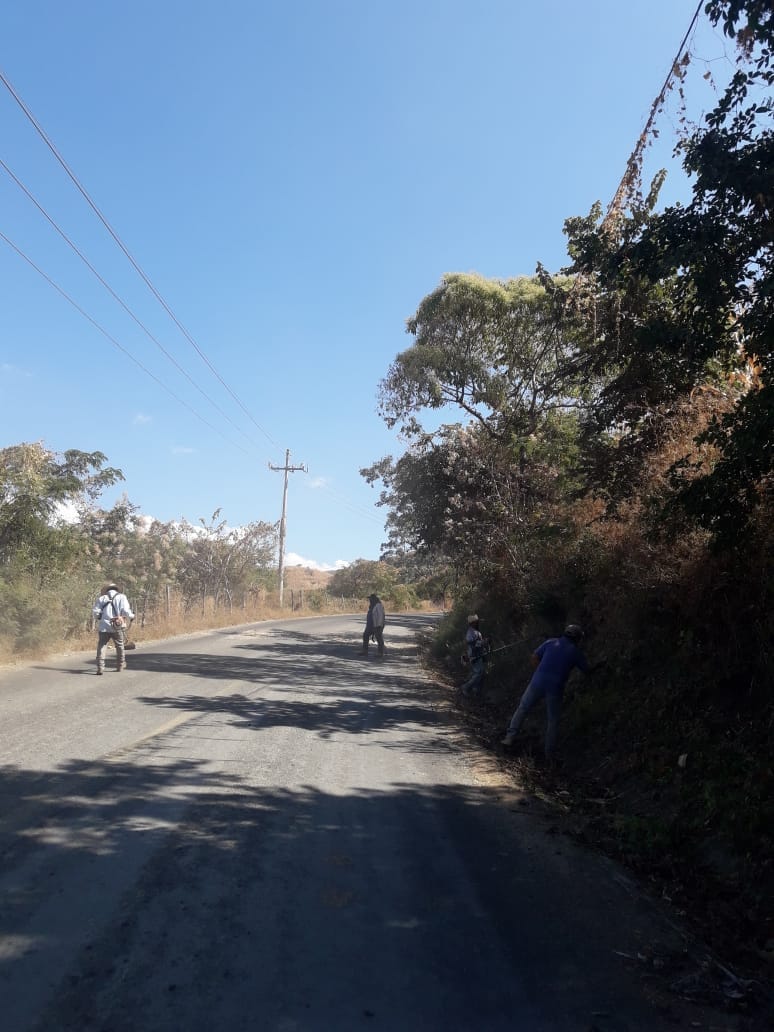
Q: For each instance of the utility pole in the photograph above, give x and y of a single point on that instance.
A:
(287, 468)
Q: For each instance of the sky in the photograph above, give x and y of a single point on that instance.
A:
(292, 180)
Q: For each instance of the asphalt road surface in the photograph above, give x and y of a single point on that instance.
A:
(259, 829)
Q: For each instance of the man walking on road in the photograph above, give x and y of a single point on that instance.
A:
(377, 615)
(112, 610)
(375, 620)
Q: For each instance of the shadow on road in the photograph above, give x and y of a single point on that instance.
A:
(253, 906)
(296, 679)
(320, 909)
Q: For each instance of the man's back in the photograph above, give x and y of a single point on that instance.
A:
(557, 658)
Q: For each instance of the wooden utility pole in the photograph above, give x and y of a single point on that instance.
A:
(287, 468)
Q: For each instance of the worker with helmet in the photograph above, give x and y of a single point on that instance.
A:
(553, 662)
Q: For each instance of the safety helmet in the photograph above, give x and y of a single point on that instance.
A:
(573, 632)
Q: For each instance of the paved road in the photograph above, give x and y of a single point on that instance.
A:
(257, 829)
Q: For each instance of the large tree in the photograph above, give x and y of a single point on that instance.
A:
(488, 348)
(673, 300)
(459, 498)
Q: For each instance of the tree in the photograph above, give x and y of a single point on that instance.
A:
(362, 578)
(686, 295)
(489, 347)
(458, 498)
(35, 486)
(219, 560)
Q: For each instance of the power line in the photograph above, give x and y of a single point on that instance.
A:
(113, 340)
(635, 159)
(92, 204)
(358, 510)
(84, 193)
(345, 503)
(120, 301)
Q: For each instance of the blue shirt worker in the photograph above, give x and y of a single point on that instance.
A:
(554, 661)
(112, 611)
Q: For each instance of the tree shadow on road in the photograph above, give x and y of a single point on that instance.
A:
(298, 680)
(194, 898)
(146, 892)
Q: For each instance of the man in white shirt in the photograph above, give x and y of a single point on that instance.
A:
(374, 625)
(112, 611)
(377, 615)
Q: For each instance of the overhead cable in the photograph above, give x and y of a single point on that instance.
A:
(113, 340)
(84, 193)
(358, 510)
(116, 297)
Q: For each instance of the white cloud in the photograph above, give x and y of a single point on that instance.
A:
(180, 449)
(7, 369)
(141, 419)
(68, 513)
(293, 559)
(316, 483)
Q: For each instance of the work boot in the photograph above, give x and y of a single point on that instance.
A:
(509, 739)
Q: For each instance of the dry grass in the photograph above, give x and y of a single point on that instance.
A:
(302, 586)
(302, 578)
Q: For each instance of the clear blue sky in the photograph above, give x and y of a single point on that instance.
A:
(293, 179)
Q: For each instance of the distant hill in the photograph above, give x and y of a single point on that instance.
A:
(303, 578)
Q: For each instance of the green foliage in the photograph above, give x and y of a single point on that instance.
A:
(668, 301)
(470, 506)
(28, 617)
(34, 484)
(363, 578)
(489, 348)
(217, 560)
(403, 596)
(52, 568)
(316, 599)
